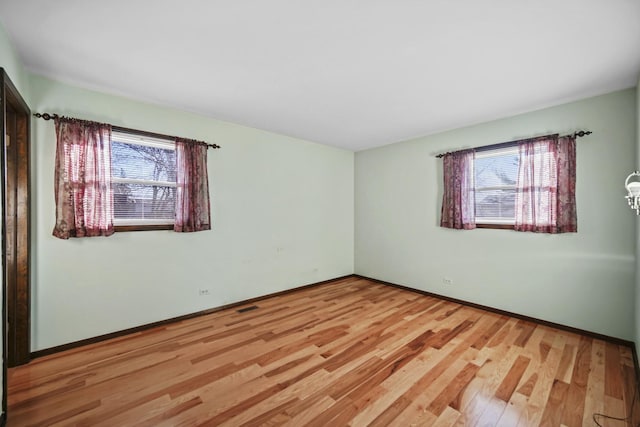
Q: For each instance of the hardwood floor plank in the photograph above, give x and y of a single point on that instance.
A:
(528, 385)
(594, 399)
(309, 410)
(490, 376)
(454, 388)
(414, 414)
(555, 406)
(487, 335)
(447, 418)
(527, 330)
(61, 416)
(542, 388)
(264, 417)
(565, 369)
(167, 414)
(354, 352)
(575, 401)
(396, 385)
(493, 410)
(438, 369)
(511, 380)
(613, 383)
(533, 345)
(514, 411)
(631, 395)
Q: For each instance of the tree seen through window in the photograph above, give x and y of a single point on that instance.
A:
(144, 179)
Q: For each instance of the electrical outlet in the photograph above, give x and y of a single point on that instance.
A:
(447, 280)
(202, 292)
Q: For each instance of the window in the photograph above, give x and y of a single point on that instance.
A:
(143, 173)
(495, 176)
(526, 185)
(111, 179)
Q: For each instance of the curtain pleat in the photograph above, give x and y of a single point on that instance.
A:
(83, 191)
(458, 200)
(545, 195)
(567, 218)
(193, 211)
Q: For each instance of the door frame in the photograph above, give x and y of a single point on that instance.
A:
(18, 351)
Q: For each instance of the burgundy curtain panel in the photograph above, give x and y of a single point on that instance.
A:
(83, 192)
(458, 200)
(193, 211)
(567, 218)
(545, 189)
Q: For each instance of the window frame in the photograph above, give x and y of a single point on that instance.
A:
(128, 136)
(494, 151)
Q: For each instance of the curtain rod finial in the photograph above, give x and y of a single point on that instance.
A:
(45, 116)
(582, 133)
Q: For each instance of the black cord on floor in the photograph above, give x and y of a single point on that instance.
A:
(609, 417)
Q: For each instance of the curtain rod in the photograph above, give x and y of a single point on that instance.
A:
(577, 134)
(47, 116)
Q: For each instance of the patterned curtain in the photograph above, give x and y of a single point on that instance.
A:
(567, 218)
(83, 192)
(545, 196)
(458, 201)
(193, 212)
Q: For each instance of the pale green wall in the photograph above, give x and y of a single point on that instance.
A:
(584, 280)
(11, 63)
(284, 208)
(282, 211)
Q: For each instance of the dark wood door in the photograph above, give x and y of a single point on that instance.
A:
(15, 224)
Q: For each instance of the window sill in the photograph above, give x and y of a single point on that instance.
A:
(496, 226)
(119, 228)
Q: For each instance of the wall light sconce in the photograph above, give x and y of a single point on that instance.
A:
(633, 191)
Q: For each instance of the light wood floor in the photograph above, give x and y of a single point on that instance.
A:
(349, 353)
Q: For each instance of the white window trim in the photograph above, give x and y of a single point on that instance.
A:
(143, 182)
(134, 222)
(146, 141)
(496, 221)
(495, 153)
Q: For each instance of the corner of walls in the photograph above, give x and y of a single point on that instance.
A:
(13, 66)
(282, 211)
(584, 280)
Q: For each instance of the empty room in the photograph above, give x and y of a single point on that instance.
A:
(364, 213)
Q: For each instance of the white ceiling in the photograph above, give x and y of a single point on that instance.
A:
(348, 73)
